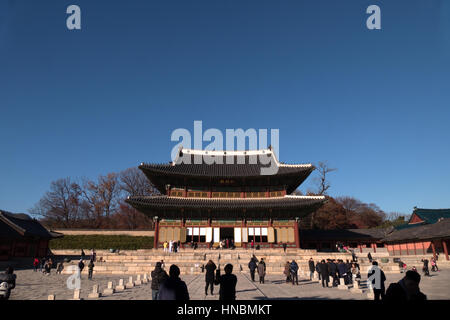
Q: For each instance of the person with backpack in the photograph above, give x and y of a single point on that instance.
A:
(294, 272)
(90, 269)
(158, 277)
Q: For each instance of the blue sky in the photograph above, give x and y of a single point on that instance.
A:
(374, 104)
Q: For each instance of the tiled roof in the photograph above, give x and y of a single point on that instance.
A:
(22, 225)
(294, 204)
(432, 215)
(236, 165)
(440, 229)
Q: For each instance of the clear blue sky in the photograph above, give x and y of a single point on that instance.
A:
(374, 104)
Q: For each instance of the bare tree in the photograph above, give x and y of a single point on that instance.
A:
(322, 181)
(60, 205)
(134, 183)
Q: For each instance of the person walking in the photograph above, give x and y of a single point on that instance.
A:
(227, 282)
(261, 270)
(90, 269)
(324, 273)
(377, 281)
(173, 288)
(60, 267)
(407, 289)
(353, 256)
(252, 266)
(369, 256)
(252, 244)
(294, 272)
(158, 276)
(287, 271)
(209, 276)
(312, 268)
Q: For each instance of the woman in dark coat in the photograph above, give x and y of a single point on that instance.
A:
(209, 276)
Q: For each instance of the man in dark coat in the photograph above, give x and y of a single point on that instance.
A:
(173, 288)
(324, 273)
(378, 292)
(158, 276)
(227, 284)
(425, 269)
(312, 268)
(318, 270)
(406, 289)
(342, 269)
(369, 256)
(333, 272)
(284, 247)
(294, 272)
(209, 276)
(252, 266)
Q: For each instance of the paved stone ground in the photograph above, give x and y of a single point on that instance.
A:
(37, 286)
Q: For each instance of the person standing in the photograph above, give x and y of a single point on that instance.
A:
(60, 267)
(252, 244)
(227, 284)
(425, 269)
(41, 264)
(378, 279)
(90, 269)
(10, 278)
(261, 270)
(93, 255)
(353, 256)
(355, 272)
(324, 273)
(170, 246)
(35, 264)
(287, 271)
(406, 289)
(312, 268)
(252, 266)
(175, 246)
(294, 272)
(284, 247)
(173, 288)
(81, 266)
(318, 270)
(158, 276)
(209, 276)
(165, 245)
(83, 255)
(369, 256)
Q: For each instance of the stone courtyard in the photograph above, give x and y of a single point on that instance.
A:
(37, 286)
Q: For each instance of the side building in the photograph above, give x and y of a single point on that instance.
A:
(21, 236)
(206, 202)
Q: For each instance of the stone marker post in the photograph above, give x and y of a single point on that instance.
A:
(342, 285)
(76, 294)
(110, 289)
(145, 278)
(356, 288)
(94, 294)
(130, 283)
(120, 287)
(51, 297)
(138, 281)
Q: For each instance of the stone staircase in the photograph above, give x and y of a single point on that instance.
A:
(191, 261)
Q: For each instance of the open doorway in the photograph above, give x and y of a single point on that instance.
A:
(227, 235)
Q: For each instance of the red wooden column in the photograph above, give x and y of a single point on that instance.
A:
(270, 226)
(156, 236)
(297, 236)
(444, 245)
